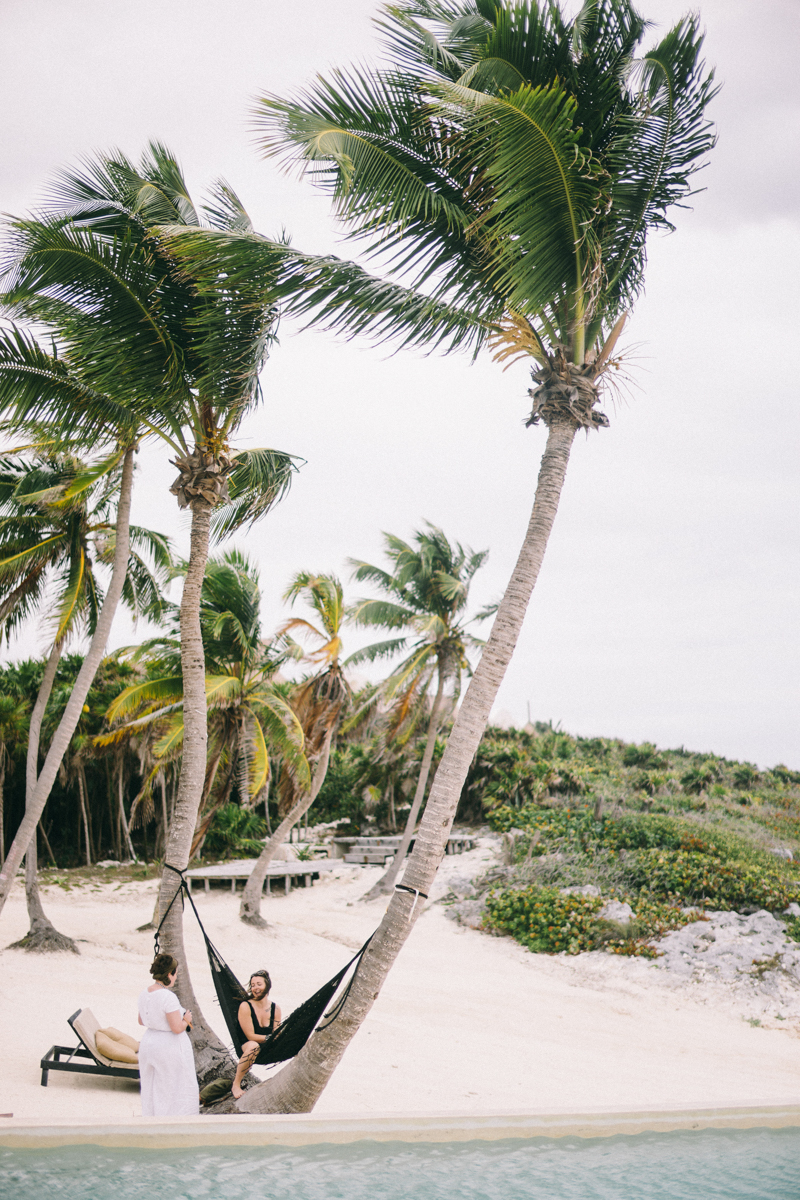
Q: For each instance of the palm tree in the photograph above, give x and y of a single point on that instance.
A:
(426, 593)
(13, 728)
(56, 521)
(514, 161)
(248, 712)
(170, 362)
(319, 703)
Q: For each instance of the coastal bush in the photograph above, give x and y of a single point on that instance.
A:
(646, 756)
(547, 921)
(544, 920)
(689, 875)
(652, 919)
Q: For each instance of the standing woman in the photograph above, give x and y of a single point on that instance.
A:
(166, 1061)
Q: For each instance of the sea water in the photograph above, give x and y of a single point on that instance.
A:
(706, 1165)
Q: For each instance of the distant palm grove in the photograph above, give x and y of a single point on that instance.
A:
(503, 164)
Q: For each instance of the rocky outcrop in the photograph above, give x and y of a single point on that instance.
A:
(732, 948)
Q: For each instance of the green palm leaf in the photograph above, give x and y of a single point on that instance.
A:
(259, 480)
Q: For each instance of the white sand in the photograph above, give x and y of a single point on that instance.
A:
(465, 1021)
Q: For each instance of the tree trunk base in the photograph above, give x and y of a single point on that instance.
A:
(254, 919)
(146, 928)
(212, 1063)
(228, 1106)
(44, 938)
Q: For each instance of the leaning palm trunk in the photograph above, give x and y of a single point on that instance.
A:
(42, 935)
(74, 708)
(387, 881)
(299, 1085)
(250, 908)
(211, 1057)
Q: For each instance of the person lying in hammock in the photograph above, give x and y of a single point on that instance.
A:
(257, 1019)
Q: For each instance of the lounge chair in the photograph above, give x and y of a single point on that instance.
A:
(85, 1025)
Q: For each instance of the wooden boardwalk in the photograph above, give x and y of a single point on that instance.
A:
(241, 869)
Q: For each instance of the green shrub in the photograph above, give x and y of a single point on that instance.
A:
(689, 875)
(697, 779)
(652, 919)
(645, 755)
(793, 928)
(544, 920)
(234, 831)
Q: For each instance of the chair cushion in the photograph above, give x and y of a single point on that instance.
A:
(86, 1025)
(116, 1046)
(125, 1038)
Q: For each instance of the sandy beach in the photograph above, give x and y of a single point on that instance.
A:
(466, 1022)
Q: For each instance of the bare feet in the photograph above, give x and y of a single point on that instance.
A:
(237, 1092)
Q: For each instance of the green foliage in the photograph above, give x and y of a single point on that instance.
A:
(234, 831)
(510, 158)
(646, 756)
(547, 921)
(793, 928)
(544, 920)
(341, 793)
(697, 779)
(689, 875)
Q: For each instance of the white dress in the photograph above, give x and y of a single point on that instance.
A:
(166, 1061)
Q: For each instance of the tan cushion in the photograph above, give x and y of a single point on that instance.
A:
(125, 1038)
(86, 1026)
(114, 1049)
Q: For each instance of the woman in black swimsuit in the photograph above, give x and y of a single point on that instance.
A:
(257, 1019)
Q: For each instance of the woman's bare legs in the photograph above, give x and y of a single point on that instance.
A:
(249, 1055)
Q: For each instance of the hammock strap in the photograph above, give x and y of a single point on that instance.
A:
(181, 888)
(402, 887)
(333, 1013)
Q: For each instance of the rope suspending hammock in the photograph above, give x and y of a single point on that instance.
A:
(291, 1035)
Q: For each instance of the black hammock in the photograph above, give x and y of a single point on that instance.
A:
(291, 1035)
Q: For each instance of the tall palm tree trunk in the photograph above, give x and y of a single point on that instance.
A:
(299, 1085)
(123, 820)
(387, 881)
(72, 713)
(250, 907)
(210, 1054)
(87, 842)
(42, 935)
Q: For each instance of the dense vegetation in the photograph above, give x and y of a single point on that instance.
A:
(666, 832)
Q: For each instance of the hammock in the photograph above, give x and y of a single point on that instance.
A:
(291, 1035)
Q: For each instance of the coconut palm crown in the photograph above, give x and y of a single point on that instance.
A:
(425, 593)
(512, 161)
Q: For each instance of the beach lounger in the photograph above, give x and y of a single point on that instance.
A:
(85, 1025)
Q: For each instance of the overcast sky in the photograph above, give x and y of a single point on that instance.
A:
(667, 606)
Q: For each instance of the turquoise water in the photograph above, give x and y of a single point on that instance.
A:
(709, 1165)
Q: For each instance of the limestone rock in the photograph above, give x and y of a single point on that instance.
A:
(616, 910)
(730, 946)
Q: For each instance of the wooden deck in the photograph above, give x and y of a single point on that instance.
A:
(242, 868)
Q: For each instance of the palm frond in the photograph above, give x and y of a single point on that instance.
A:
(378, 650)
(381, 612)
(166, 690)
(259, 480)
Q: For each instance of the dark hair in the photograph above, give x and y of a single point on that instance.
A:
(162, 967)
(262, 975)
